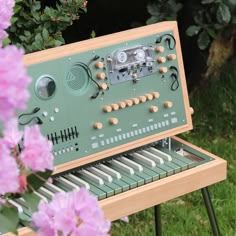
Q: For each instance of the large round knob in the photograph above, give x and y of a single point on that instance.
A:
(107, 108)
(101, 75)
(97, 125)
(168, 104)
(153, 109)
(113, 121)
(160, 49)
(99, 65)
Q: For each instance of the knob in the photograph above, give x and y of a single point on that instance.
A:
(128, 103)
(163, 70)
(160, 49)
(142, 98)
(155, 94)
(171, 57)
(168, 104)
(98, 125)
(153, 108)
(101, 75)
(149, 96)
(115, 107)
(135, 101)
(113, 121)
(99, 65)
(109, 59)
(121, 104)
(161, 59)
(107, 108)
(103, 86)
(191, 110)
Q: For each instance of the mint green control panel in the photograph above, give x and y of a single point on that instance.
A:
(107, 97)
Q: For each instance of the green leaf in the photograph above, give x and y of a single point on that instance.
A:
(223, 14)
(203, 40)
(207, 1)
(211, 32)
(193, 30)
(32, 201)
(9, 219)
(45, 34)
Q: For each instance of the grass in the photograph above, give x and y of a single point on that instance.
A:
(214, 130)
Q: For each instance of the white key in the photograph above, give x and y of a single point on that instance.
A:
(110, 171)
(53, 187)
(160, 153)
(122, 166)
(152, 156)
(78, 181)
(17, 205)
(41, 196)
(131, 163)
(144, 159)
(100, 173)
(22, 202)
(46, 192)
(67, 183)
(91, 176)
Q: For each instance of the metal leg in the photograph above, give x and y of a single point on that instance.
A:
(210, 211)
(157, 212)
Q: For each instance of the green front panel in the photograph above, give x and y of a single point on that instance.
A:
(66, 91)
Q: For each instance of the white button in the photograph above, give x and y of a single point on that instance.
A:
(56, 109)
(63, 150)
(71, 148)
(67, 149)
(52, 118)
(45, 113)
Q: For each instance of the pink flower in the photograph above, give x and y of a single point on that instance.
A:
(72, 213)
(9, 172)
(36, 154)
(13, 81)
(6, 12)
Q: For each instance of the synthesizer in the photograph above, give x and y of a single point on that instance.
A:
(112, 106)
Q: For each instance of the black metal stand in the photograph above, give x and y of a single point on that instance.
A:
(210, 211)
(157, 212)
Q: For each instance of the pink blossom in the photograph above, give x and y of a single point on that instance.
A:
(36, 154)
(9, 172)
(72, 213)
(13, 82)
(6, 12)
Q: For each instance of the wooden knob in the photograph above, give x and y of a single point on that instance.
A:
(171, 57)
(101, 75)
(99, 65)
(107, 108)
(98, 125)
(191, 110)
(155, 94)
(160, 49)
(142, 98)
(149, 96)
(161, 59)
(115, 107)
(135, 101)
(113, 121)
(163, 70)
(168, 104)
(103, 86)
(128, 103)
(121, 104)
(153, 108)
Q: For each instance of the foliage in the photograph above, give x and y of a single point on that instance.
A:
(161, 10)
(36, 28)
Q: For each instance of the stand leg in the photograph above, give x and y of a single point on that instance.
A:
(157, 212)
(210, 211)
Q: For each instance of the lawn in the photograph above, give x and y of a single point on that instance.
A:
(214, 123)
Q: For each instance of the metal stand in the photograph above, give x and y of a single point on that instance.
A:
(210, 211)
(157, 212)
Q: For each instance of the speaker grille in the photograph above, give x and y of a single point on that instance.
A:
(77, 78)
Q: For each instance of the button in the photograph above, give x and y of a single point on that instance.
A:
(149, 96)
(122, 104)
(142, 98)
(171, 57)
(163, 70)
(128, 103)
(115, 107)
(155, 94)
(135, 101)
(113, 121)
(160, 49)
(107, 108)
(99, 65)
(56, 110)
(153, 109)
(98, 125)
(168, 104)
(161, 59)
(103, 86)
(45, 114)
(101, 75)
(52, 118)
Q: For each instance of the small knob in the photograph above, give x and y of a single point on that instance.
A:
(135, 101)
(109, 59)
(121, 104)
(161, 59)
(128, 103)
(103, 86)
(101, 75)
(142, 98)
(163, 70)
(171, 57)
(191, 110)
(168, 104)
(115, 107)
(153, 108)
(98, 125)
(113, 121)
(107, 109)
(160, 49)
(155, 94)
(99, 65)
(149, 96)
